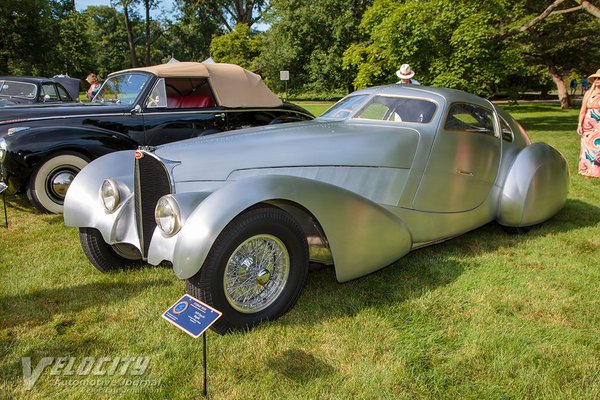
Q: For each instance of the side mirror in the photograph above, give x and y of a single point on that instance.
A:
(137, 109)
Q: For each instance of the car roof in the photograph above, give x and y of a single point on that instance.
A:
(448, 95)
(232, 85)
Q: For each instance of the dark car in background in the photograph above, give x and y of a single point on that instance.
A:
(28, 90)
(43, 148)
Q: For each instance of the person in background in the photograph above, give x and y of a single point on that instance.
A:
(584, 85)
(588, 127)
(405, 74)
(92, 79)
(573, 86)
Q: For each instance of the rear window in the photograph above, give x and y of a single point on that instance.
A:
(470, 118)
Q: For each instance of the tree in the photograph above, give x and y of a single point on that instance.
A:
(241, 47)
(229, 13)
(127, 7)
(308, 39)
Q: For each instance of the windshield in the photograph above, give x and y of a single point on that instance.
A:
(345, 107)
(122, 89)
(18, 89)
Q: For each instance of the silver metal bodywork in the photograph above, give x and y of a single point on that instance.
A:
(365, 190)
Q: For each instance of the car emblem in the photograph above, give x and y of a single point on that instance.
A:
(138, 154)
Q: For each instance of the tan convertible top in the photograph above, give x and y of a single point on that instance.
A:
(232, 85)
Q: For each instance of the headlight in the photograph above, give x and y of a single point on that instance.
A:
(2, 149)
(167, 215)
(109, 193)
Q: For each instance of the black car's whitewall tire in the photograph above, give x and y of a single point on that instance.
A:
(106, 257)
(255, 270)
(50, 180)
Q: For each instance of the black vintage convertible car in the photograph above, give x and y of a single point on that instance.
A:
(43, 148)
(26, 90)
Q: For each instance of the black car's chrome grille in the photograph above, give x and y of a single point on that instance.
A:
(151, 183)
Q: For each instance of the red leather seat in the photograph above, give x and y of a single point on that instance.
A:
(189, 102)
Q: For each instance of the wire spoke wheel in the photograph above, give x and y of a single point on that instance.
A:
(256, 273)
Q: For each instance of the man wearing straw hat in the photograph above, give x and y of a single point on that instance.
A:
(405, 74)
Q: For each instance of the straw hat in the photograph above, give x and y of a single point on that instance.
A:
(406, 73)
(594, 76)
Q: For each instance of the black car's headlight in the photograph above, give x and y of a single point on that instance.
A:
(109, 194)
(167, 215)
(3, 149)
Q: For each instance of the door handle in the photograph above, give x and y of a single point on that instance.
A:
(221, 115)
(462, 172)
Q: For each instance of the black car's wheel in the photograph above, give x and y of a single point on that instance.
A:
(255, 270)
(49, 182)
(107, 257)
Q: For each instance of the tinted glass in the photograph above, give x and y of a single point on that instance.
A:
(49, 93)
(18, 89)
(470, 118)
(64, 96)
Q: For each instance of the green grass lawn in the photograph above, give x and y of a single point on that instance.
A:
(486, 315)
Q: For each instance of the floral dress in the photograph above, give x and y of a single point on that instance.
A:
(589, 157)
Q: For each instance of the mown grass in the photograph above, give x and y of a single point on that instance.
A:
(485, 315)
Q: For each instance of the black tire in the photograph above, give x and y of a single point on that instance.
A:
(106, 257)
(278, 234)
(45, 196)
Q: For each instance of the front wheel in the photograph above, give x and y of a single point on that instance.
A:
(106, 257)
(51, 179)
(255, 270)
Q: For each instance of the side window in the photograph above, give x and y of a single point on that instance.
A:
(64, 96)
(188, 93)
(470, 118)
(158, 96)
(507, 132)
(398, 109)
(49, 93)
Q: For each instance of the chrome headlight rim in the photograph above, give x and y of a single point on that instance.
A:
(167, 210)
(110, 195)
(3, 149)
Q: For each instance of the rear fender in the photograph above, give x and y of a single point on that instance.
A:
(536, 187)
(363, 236)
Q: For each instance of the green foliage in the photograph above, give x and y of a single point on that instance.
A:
(308, 39)
(241, 47)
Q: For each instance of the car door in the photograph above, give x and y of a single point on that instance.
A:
(463, 162)
(181, 108)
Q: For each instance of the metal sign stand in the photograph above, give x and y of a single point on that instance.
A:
(204, 388)
(3, 188)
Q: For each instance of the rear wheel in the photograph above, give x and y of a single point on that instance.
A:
(106, 257)
(51, 179)
(255, 270)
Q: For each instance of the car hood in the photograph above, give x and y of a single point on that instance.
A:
(41, 110)
(302, 144)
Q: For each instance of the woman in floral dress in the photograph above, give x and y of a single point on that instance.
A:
(589, 129)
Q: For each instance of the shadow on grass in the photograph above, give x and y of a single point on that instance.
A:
(39, 307)
(18, 203)
(421, 271)
(300, 366)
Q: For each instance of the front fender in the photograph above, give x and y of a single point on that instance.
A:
(363, 236)
(83, 207)
(536, 186)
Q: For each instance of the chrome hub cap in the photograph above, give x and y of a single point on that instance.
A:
(59, 183)
(256, 273)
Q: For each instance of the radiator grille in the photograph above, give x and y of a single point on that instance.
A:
(151, 183)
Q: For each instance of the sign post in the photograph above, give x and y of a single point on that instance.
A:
(3, 187)
(285, 76)
(194, 318)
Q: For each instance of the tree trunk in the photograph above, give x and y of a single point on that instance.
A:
(130, 41)
(563, 94)
(147, 5)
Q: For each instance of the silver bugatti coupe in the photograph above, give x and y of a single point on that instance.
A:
(384, 171)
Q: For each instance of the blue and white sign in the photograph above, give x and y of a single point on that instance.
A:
(191, 315)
